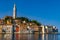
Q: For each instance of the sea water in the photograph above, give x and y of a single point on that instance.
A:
(18, 36)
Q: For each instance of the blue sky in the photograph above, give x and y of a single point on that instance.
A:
(45, 11)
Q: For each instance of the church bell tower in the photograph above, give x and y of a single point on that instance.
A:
(14, 12)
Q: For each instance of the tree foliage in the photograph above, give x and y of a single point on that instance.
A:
(23, 19)
(36, 22)
(8, 18)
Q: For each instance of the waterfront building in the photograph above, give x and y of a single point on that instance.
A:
(48, 29)
(1, 28)
(17, 21)
(43, 28)
(55, 29)
(23, 27)
(9, 28)
(35, 28)
(1, 21)
(17, 28)
(40, 29)
(8, 20)
(4, 28)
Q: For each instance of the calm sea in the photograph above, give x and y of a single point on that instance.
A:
(29, 37)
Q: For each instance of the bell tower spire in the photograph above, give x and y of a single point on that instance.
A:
(14, 11)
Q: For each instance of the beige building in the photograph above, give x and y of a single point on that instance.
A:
(1, 28)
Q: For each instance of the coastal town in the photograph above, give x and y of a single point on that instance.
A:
(23, 25)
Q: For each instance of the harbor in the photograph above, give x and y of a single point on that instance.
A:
(14, 24)
(29, 20)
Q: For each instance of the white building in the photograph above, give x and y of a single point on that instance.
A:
(7, 28)
(43, 28)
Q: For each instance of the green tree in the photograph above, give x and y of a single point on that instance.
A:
(23, 19)
(36, 22)
(8, 18)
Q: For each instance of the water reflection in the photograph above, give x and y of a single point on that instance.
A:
(29, 37)
(6, 37)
